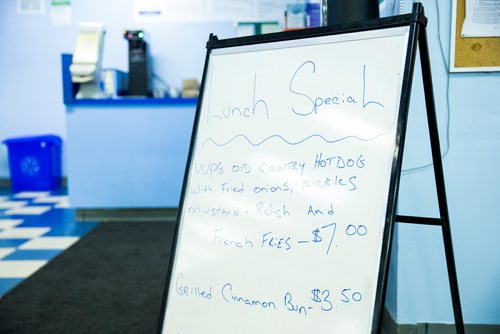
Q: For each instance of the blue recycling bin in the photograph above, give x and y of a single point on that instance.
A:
(35, 162)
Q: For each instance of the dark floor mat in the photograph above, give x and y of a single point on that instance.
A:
(111, 281)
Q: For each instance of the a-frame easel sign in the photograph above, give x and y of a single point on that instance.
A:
(289, 199)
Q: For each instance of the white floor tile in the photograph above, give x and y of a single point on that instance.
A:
(28, 210)
(62, 205)
(32, 194)
(6, 251)
(19, 269)
(9, 223)
(51, 199)
(12, 204)
(49, 243)
(23, 232)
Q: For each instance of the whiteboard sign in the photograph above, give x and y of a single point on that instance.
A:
(284, 209)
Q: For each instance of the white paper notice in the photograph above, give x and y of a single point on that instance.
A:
(223, 10)
(36, 7)
(60, 13)
(482, 18)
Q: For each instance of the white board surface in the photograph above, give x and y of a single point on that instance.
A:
(285, 202)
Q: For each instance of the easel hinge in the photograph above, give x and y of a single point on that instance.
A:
(419, 15)
(211, 39)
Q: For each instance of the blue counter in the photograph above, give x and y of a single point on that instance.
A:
(127, 153)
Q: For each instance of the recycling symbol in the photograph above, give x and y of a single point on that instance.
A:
(30, 166)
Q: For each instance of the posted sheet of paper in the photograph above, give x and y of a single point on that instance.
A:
(61, 13)
(28, 7)
(208, 10)
(482, 18)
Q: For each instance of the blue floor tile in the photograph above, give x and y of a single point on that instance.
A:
(7, 284)
(29, 254)
(61, 222)
(77, 229)
(10, 243)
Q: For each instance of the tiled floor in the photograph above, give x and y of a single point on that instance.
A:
(34, 228)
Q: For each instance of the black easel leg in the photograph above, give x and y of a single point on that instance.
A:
(439, 176)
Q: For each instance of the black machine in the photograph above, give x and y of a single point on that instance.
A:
(138, 75)
(345, 11)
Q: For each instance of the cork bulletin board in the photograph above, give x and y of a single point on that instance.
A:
(471, 54)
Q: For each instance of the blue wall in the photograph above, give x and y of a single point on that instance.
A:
(31, 85)
(30, 94)
(31, 102)
(471, 175)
